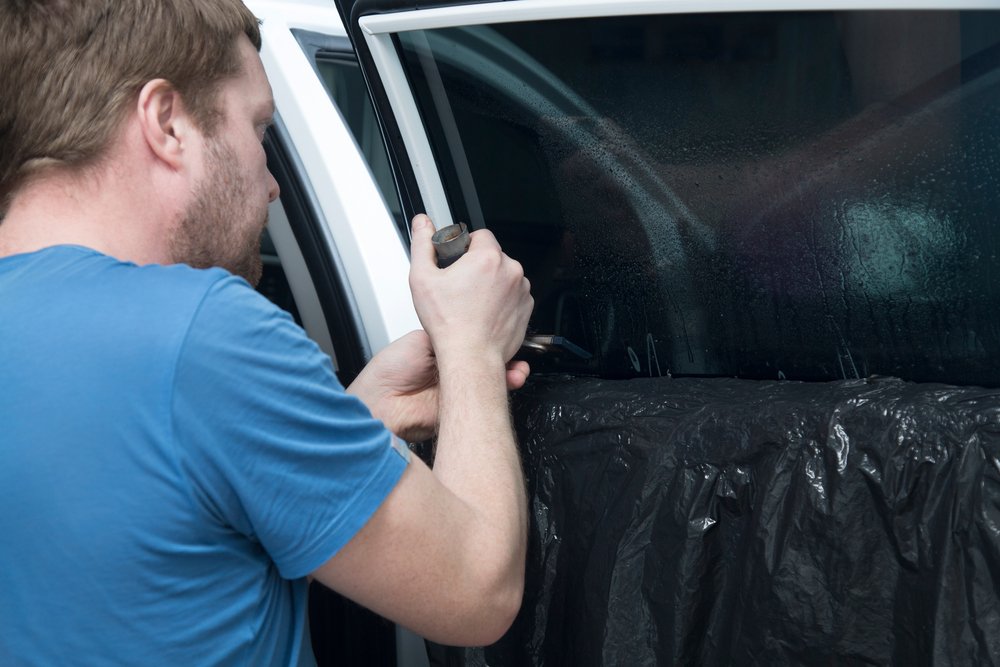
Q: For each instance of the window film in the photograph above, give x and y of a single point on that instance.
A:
(808, 196)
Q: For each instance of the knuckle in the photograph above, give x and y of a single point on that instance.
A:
(484, 234)
(485, 256)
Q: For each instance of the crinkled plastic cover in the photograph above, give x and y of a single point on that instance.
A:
(719, 522)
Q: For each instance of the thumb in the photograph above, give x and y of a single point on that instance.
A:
(422, 255)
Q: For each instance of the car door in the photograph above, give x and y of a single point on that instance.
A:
(765, 233)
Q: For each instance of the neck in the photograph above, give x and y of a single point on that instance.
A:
(104, 213)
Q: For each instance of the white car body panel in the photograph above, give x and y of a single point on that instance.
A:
(359, 225)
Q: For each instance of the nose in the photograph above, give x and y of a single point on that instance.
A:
(272, 187)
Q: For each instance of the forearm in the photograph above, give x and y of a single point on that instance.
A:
(444, 554)
(478, 461)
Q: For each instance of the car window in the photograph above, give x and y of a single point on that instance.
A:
(342, 78)
(807, 195)
(336, 65)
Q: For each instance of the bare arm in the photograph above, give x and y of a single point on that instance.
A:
(444, 555)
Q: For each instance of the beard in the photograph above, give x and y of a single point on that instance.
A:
(222, 227)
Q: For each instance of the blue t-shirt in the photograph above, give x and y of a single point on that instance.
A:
(175, 456)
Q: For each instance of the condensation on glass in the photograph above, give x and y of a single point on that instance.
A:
(806, 196)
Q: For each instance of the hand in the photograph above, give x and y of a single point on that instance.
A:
(479, 306)
(400, 386)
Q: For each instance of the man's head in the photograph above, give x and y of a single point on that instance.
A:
(75, 70)
(71, 69)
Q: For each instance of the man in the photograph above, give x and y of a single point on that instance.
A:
(176, 456)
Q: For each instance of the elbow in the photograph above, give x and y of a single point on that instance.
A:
(503, 593)
(498, 614)
(488, 609)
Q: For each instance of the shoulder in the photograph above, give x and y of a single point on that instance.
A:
(175, 298)
(116, 305)
(234, 322)
(162, 311)
(97, 284)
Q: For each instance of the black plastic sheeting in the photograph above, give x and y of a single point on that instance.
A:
(734, 522)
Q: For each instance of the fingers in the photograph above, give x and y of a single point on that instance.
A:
(421, 248)
(517, 374)
(483, 239)
(482, 301)
(416, 339)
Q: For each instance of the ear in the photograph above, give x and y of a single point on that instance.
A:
(165, 123)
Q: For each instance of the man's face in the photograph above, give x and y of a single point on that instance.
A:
(228, 211)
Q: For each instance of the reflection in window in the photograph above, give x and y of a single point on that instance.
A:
(777, 195)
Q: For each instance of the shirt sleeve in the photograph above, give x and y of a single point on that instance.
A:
(272, 446)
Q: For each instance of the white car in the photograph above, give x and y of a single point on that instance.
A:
(771, 191)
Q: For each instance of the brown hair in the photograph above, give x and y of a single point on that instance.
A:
(70, 70)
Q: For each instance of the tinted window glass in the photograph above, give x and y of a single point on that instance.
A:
(777, 195)
(343, 80)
